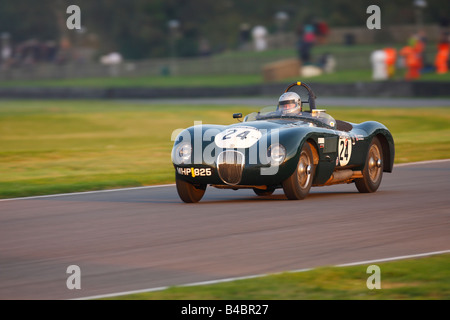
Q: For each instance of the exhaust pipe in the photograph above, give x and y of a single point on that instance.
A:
(342, 176)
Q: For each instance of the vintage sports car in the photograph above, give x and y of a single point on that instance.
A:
(292, 146)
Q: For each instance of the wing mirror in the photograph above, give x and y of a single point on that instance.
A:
(237, 116)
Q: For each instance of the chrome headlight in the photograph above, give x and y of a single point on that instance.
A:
(182, 153)
(276, 153)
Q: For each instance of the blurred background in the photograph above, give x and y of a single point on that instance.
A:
(265, 41)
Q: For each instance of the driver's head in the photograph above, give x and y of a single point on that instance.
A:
(290, 103)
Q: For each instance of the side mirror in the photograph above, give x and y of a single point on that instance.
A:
(237, 116)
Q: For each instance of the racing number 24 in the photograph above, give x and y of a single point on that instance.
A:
(344, 150)
(242, 135)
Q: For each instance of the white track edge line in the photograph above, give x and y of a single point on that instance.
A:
(88, 192)
(420, 162)
(419, 255)
(169, 185)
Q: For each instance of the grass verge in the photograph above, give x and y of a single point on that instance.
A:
(413, 279)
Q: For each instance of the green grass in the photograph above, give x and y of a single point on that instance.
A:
(343, 76)
(147, 81)
(414, 279)
(352, 76)
(347, 76)
(66, 146)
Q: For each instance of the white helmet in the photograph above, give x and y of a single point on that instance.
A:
(290, 103)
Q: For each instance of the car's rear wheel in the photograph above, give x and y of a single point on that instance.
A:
(261, 192)
(188, 192)
(297, 186)
(373, 169)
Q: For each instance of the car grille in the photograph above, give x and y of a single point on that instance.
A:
(230, 165)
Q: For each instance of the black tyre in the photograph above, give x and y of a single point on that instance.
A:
(373, 169)
(297, 186)
(188, 192)
(266, 192)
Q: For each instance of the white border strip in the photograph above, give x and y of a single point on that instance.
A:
(412, 256)
(260, 275)
(170, 185)
(420, 162)
(89, 192)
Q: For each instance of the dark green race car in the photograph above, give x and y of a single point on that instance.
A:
(293, 146)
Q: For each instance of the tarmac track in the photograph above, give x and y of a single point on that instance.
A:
(146, 237)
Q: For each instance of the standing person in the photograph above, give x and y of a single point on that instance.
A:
(391, 58)
(244, 36)
(306, 42)
(411, 55)
(259, 34)
(379, 66)
(6, 51)
(322, 30)
(442, 59)
(421, 43)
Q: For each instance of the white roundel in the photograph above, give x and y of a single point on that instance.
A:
(345, 150)
(238, 137)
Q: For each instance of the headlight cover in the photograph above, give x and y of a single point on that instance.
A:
(182, 153)
(276, 153)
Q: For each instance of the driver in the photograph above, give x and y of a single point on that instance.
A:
(290, 103)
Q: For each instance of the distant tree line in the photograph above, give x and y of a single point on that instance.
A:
(140, 28)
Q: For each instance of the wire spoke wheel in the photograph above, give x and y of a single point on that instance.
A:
(374, 163)
(304, 170)
(297, 186)
(373, 169)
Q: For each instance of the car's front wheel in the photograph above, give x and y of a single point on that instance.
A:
(373, 169)
(188, 192)
(297, 186)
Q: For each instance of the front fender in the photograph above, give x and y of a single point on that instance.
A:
(377, 129)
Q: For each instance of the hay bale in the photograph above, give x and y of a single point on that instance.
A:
(282, 69)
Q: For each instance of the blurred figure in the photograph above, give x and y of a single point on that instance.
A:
(421, 45)
(412, 58)
(64, 54)
(259, 34)
(51, 50)
(443, 55)
(321, 30)
(204, 47)
(379, 66)
(391, 58)
(113, 60)
(327, 63)
(244, 36)
(307, 39)
(6, 51)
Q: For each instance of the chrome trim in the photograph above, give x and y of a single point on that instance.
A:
(230, 164)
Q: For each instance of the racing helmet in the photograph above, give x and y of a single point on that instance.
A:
(290, 103)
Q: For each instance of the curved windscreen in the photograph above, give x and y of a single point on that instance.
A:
(316, 116)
